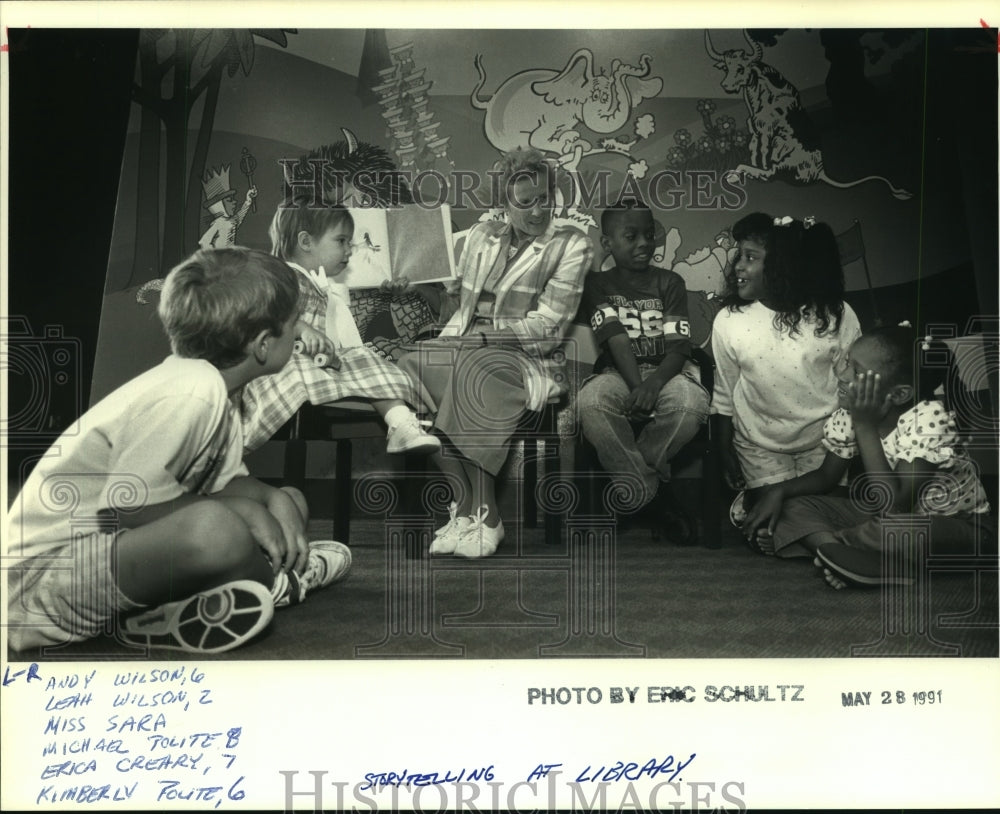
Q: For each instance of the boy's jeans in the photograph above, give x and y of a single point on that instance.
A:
(681, 408)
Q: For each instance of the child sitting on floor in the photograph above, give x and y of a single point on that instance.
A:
(895, 416)
(316, 243)
(783, 324)
(644, 401)
(154, 474)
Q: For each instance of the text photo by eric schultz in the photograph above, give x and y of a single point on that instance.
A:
(419, 411)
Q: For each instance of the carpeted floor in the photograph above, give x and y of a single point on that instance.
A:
(621, 595)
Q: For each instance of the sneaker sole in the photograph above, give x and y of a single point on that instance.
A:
(245, 610)
(851, 566)
(425, 446)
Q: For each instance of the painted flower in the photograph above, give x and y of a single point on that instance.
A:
(682, 137)
(706, 106)
(676, 156)
(705, 144)
(726, 125)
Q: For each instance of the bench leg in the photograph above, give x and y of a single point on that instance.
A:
(529, 482)
(342, 502)
(711, 517)
(294, 471)
(553, 471)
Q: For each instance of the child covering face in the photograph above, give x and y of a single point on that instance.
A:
(897, 419)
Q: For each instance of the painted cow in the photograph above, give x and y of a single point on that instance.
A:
(782, 136)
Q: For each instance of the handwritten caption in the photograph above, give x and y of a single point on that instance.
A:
(131, 736)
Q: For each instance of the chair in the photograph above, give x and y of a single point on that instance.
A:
(342, 422)
(851, 247)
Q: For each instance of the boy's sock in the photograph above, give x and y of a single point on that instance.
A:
(407, 433)
(328, 561)
(395, 416)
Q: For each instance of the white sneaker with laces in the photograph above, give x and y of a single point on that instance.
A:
(446, 537)
(410, 436)
(479, 540)
(328, 561)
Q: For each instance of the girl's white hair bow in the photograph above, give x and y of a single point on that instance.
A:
(783, 221)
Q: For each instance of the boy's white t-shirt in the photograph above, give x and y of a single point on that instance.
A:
(170, 431)
(778, 387)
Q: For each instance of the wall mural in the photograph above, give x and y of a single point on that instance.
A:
(782, 136)
(705, 126)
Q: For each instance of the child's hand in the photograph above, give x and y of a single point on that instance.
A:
(732, 472)
(763, 514)
(396, 288)
(293, 528)
(314, 342)
(641, 401)
(866, 400)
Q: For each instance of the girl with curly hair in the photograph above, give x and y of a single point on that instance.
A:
(783, 326)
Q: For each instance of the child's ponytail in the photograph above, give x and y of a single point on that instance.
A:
(821, 262)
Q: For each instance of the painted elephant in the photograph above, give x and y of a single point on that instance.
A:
(542, 108)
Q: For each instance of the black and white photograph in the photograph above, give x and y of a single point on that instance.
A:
(519, 407)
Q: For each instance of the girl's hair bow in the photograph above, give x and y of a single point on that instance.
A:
(783, 221)
(809, 221)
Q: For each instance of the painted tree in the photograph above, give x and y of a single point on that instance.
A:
(179, 70)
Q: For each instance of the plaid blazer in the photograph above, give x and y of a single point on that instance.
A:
(537, 297)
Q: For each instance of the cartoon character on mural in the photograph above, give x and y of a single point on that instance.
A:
(220, 201)
(782, 137)
(542, 108)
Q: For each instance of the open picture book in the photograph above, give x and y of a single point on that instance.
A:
(410, 241)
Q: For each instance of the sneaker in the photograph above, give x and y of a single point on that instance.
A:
(857, 566)
(479, 540)
(410, 436)
(213, 621)
(328, 561)
(447, 536)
